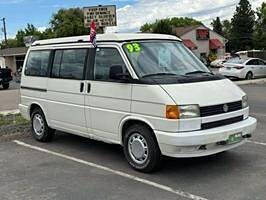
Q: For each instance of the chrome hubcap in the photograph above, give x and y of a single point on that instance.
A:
(138, 148)
(38, 124)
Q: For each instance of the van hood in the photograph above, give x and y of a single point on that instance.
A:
(204, 93)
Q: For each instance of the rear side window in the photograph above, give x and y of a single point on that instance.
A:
(69, 64)
(253, 62)
(37, 63)
(261, 62)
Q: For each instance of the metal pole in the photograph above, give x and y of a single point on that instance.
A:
(4, 23)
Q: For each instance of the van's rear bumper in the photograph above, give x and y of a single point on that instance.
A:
(189, 144)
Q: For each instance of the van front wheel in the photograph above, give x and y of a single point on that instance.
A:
(141, 149)
(40, 130)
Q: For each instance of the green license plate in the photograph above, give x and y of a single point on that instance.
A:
(235, 138)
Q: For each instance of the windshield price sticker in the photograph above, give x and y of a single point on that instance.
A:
(133, 47)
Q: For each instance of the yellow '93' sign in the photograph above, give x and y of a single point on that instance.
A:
(133, 47)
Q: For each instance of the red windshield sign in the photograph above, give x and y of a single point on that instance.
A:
(203, 34)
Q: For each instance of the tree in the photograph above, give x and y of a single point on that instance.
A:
(163, 26)
(169, 24)
(146, 28)
(47, 34)
(227, 30)
(260, 28)
(11, 43)
(217, 26)
(68, 22)
(184, 21)
(30, 30)
(243, 26)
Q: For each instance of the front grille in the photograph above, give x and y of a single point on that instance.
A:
(219, 109)
(222, 122)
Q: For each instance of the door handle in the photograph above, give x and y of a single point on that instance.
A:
(81, 87)
(89, 88)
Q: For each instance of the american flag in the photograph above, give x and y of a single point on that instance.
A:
(93, 34)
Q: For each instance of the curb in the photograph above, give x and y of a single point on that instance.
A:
(9, 112)
(255, 81)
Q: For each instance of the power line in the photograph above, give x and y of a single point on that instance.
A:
(5, 35)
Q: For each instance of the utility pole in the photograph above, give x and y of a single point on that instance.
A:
(4, 25)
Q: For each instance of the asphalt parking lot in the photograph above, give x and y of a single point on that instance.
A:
(9, 99)
(72, 167)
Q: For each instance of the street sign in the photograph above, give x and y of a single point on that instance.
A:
(103, 16)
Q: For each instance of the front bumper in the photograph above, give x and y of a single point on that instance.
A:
(189, 144)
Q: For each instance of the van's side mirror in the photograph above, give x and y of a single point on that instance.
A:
(116, 73)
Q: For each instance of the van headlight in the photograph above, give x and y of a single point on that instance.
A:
(245, 101)
(182, 112)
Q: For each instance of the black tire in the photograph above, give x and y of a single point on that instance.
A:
(47, 133)
(5, 86)
(153, 159)
(249, 76)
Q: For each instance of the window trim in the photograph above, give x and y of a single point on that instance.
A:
(48, 67)
(64, 49)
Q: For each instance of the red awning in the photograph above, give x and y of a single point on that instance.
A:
(189, 44)
(216, 44)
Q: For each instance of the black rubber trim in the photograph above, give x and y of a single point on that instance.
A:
(224, 122)
(34, 89)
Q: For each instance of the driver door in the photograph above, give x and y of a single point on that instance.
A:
(107, 101)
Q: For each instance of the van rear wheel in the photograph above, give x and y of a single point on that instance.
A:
(40, 130)
(141, 149)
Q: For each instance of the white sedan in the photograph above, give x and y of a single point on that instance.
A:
(248, 68)
(218, 63)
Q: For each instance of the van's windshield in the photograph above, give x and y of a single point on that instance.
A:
(163, 58)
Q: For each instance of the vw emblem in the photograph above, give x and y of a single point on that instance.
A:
(226, 108)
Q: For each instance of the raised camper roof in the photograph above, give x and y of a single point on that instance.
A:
(118, 37)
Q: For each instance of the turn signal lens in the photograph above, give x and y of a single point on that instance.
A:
(172, 112)
(244, 101)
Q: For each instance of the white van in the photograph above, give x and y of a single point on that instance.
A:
(146, 92)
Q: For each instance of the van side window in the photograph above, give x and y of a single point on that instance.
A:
(105, 58)
(57, 63)
(69, 63)
(37, 63)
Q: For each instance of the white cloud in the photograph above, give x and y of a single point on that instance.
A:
(131, 17)
(42, 29)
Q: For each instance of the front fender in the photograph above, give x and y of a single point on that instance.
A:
(128, 118)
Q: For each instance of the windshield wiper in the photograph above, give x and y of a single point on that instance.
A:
(199, 72)
(160, 74)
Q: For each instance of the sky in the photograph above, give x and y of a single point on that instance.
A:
(131, 14)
